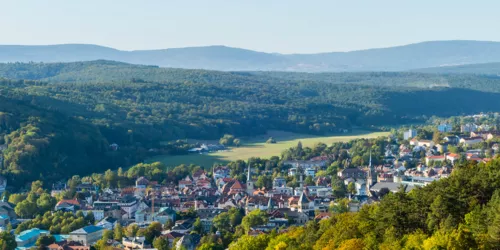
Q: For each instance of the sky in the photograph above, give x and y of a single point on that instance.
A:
(281, 26)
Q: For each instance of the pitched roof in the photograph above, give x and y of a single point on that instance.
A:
(74, 202)
(87, 230)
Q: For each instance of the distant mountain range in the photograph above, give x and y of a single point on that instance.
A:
(401, 58)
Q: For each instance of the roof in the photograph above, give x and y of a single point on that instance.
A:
(436, 157)
(74, 202)
(29, 234)
(392, 186)
(237, 185)
(87, 230)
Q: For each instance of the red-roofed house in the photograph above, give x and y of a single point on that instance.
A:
(237, 187)
(435, 158)
(68, 205)
(452, 157)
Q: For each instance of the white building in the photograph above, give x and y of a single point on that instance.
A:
(88, 235)
(445, 127)
(409, 134)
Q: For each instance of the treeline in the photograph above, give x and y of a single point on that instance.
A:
(459, 212)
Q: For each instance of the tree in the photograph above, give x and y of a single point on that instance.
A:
(131, 230)
(237, 142)
(37, 187)
(308, 181)
(153, 231)
(264, 181)
(26, 209)
(169, 224)
(7, 241)
(118, 232)
(197, 227)
(254, 218)
(111, 178)
(45, 240)
(342, 206)
(248, 242)
(16, 198)
(338, 187)
(222, 222)
(89, 218)
(161, 243)
(45, 203)
(351, 244)
(351, 188)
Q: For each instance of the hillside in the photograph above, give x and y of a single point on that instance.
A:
(48, 145)
(479, 68)
(78, 109)
(413, 56)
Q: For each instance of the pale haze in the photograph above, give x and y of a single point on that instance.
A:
(269, 26)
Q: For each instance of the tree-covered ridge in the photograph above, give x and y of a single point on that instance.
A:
(46, 120)
(459, 212)
(47, 145)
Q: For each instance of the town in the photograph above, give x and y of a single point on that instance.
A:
(142, 208)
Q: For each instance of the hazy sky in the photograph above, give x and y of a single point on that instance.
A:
(286, 26)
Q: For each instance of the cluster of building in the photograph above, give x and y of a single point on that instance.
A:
(210, 194)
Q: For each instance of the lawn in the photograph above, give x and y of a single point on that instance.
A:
(257, 147)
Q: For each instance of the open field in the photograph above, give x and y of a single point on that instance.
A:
(257, 147)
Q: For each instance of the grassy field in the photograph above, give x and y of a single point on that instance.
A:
(257, 147)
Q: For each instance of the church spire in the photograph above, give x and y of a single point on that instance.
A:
(248, 175)
(370, 159)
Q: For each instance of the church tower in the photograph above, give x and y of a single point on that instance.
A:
(372, 174)
(250, 185)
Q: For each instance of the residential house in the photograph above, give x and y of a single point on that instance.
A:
(351, 173)
(434, 158)
(87, 236)
(486, 135)
(452, 157)
(141, 182)
(128, 204)
(188, 242)
(279, 182)
(171, 237)
(183, 226)
(310, 172)
(207, 216)
(469, 141)
(467, 128)
(67, 245)
(221, 172)
(68, 205)
(425, 143)
(135, 243)
(454, 140)
(163, 215)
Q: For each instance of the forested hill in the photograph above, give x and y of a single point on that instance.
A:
(480, 68)
(47, 145)
(399, 58)
(94, 104)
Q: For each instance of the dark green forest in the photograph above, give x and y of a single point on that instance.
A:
(64, 116)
